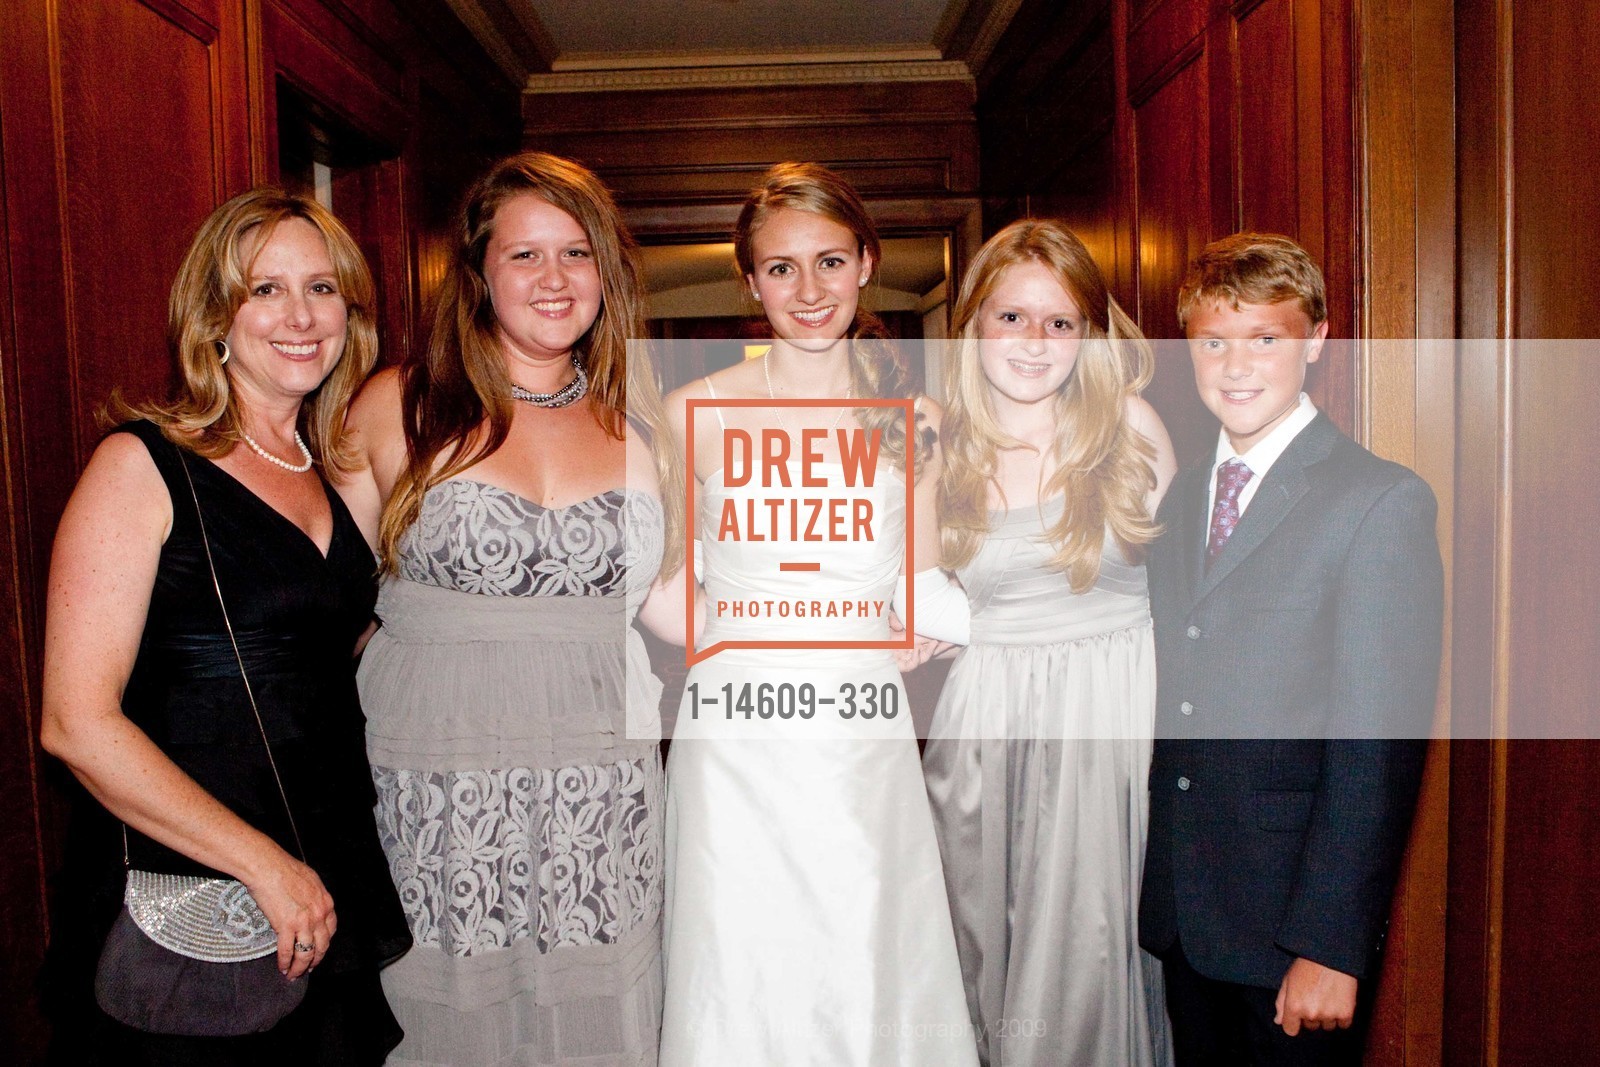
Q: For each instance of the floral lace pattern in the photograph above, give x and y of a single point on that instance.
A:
(482, 859)
(480, 538)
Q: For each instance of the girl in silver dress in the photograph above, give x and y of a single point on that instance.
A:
(1040, 745)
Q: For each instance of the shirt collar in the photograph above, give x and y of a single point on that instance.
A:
(1266, 451)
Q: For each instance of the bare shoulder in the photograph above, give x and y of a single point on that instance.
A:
(693, 390)
(375, 412)
(932, 412)
(1145, 421)
(120, 509)
(122, 478)
(639, 461)
(1143, 417)
(677, 401)
(376, 430)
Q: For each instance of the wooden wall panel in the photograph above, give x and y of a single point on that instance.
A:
(22, 913)
(1525, 884)
(1552, 877)
(1174, 220)
(1408, 193)
(1548, 942)
(1072, 197)
(362, 87)
(1261, 133)
(1269, 163)
(166, 70)
(1162, 37)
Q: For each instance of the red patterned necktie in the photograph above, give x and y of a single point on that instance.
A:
(1232, 477)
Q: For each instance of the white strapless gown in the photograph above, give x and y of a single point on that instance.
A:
(806, 920)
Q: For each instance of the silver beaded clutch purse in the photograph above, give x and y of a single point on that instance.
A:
(211, 919)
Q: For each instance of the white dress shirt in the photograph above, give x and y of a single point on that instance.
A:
(1262, 456)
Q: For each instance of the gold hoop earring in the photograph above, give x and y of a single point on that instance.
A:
(223, 355)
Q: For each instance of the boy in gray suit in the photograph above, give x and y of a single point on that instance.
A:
(1297, 593)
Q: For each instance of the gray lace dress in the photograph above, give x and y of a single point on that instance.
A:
(511, 732)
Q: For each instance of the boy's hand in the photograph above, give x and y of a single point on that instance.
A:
(1316, 998)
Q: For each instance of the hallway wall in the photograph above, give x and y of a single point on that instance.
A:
(1524, 873)
(1155, 126)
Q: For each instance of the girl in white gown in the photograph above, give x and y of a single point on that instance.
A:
(806, 919)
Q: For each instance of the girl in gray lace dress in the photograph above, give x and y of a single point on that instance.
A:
(523, 522)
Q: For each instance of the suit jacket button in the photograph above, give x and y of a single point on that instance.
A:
(1186, 707)
(1184, 783)
(1194, 633)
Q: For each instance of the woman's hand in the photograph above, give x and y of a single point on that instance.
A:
(299, 908)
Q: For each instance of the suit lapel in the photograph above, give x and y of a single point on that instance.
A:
(1193, 525)
(1280, 491)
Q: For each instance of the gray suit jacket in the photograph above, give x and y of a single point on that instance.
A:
(1295, 681)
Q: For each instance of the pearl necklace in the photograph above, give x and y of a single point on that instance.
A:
(570, 393)
(766, 369)
(292, 468)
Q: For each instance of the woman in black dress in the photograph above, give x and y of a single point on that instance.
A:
(271, 324)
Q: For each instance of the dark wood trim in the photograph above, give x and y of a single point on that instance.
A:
(1477, 813)
(298, 52)
(24, 921)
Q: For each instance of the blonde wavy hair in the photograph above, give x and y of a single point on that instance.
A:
(213, 282)
(1101, 464)
(878, 366)
(456, 393)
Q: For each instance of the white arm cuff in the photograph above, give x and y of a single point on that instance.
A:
(942, 609)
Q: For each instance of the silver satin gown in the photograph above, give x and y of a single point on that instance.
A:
(1037, 770)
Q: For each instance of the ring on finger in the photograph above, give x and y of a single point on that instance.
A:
(301, 946)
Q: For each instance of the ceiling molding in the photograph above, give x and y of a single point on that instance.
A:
(955, 13)
(750, 76)
(510, 33)
(538, 34)
(971, 29)
(742, 57)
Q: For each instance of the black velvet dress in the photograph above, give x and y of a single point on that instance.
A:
(297, 615)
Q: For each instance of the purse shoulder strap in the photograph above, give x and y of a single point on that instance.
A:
(227, 623)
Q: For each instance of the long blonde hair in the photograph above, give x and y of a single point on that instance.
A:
(878, 366)
(212, 284)
(460, 386)
(1102, 465)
